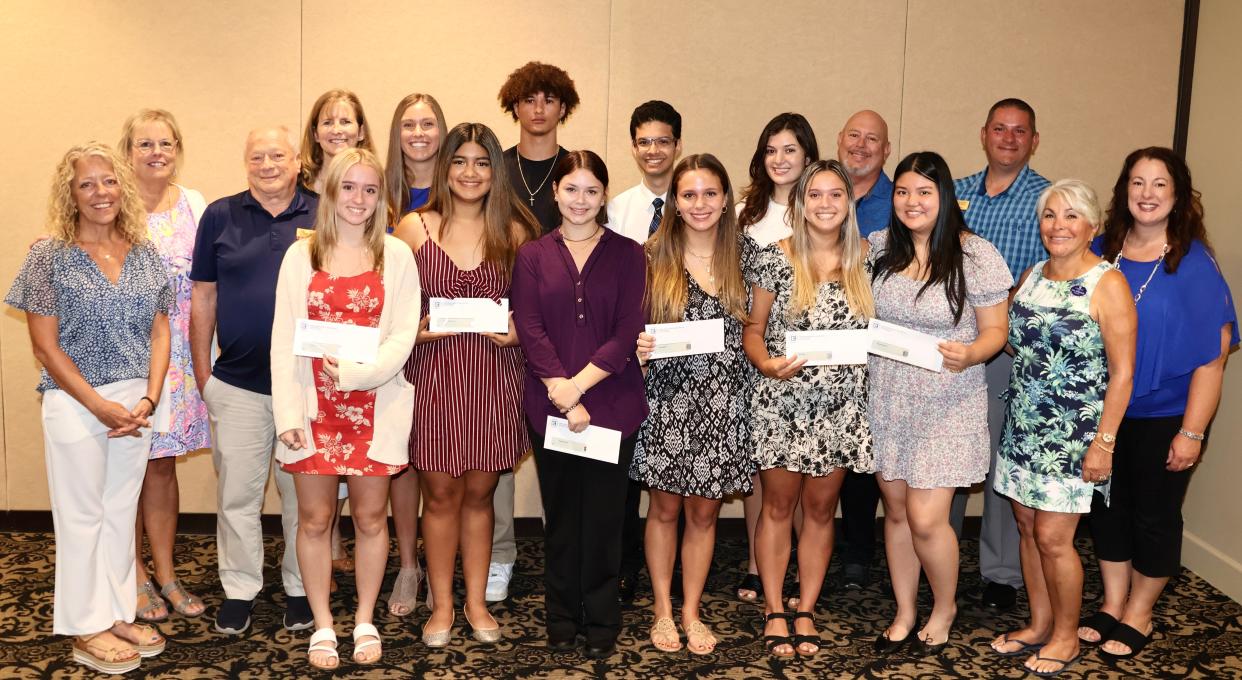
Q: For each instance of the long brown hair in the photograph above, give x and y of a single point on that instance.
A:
(312, 153)
(798, 248)
(759, 192)
(507, 223)
(326, 233)
(398, 178)
(1185, 221)
(667, 284)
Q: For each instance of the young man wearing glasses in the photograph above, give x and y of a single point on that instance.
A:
(655, 132)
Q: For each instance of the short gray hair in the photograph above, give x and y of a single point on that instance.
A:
(1079, 196)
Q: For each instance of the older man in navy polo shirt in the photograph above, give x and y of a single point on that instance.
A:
(241, 242)
(999, 205)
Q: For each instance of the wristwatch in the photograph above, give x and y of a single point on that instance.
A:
(1108, 438)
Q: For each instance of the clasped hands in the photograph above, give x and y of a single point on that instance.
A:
(122, 422)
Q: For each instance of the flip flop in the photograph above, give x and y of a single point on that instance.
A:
(664, 635)
(1101, 622)
(1026, 648)
(1065, 663)
(1130, 637)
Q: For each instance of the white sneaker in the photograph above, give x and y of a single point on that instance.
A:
(498, 577)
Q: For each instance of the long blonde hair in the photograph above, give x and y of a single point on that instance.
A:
(667, 284)
(507, 223)
(312, 153)
(797, 247)
(62, 209)
(326, 231)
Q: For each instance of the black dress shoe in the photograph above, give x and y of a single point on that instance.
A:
(855, 576)
(627, 586)
(562, 645)
(884, 646)
(599, 651)
(999, 596)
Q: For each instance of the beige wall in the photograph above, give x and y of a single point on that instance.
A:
(1213, 545)
(931, 68)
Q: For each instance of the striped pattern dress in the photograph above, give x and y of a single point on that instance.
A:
(468, 391)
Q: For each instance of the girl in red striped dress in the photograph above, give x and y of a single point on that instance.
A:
(468, 412)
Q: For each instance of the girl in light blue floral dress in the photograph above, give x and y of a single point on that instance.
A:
(1072, 328)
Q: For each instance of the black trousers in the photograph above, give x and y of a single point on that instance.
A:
(1142, 524)
(632, 531)
(583, 508)
(860, 496)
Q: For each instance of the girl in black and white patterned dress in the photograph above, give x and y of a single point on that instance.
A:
(694, 447)
(809, 423)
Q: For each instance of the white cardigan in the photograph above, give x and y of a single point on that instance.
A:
(294, 401)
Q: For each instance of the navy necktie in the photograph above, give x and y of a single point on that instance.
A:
(658, 203)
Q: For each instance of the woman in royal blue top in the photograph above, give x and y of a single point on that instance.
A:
(1186, 324)
(413, 148)
(577, 300)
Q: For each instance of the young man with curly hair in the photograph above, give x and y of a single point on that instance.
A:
(539, 97)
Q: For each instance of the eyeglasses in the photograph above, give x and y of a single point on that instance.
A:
(147, 146)
(661, 143)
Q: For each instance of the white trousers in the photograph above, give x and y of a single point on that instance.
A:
(94, 483)
(243, 434)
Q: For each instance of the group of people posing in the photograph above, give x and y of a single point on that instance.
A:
(1083, 347)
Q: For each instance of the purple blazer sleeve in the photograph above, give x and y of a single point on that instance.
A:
(613, 354)
(541, 357)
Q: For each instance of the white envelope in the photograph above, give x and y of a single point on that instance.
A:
(687, 337)
(469, 315)
(829, 348)
(596, 443)
(905, 345)
(341, 340)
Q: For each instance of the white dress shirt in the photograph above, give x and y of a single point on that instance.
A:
(630, 213)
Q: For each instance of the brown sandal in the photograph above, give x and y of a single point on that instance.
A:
(146, 639)
(96, 654)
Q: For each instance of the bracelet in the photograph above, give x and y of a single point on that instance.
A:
(1096, 443)
(1193, 436)
(152, 403)
(581, 392)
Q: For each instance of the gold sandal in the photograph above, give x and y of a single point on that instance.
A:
(405, 591)
(664, 635)
(706, 638)
(147, 640)
(94, 653)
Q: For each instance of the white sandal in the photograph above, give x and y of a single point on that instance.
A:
(362, 630)
(318, 643)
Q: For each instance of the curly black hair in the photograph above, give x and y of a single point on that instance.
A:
(536, 77)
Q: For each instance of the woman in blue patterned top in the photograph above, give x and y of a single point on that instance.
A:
(1155, 236)
(97, 301)
(1072, 332)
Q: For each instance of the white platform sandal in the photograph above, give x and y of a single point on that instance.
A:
(366, 630)
(319, 643)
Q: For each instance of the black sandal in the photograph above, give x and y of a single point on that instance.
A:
(752, 583)
(799, 640)
(1101, 622)
(1130, 637)
(774, 641)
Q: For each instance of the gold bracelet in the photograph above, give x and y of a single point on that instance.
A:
(1096, 443)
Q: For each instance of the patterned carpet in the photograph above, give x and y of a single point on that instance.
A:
(1199, 632)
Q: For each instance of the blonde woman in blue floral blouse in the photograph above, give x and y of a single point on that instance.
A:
(1072, 330)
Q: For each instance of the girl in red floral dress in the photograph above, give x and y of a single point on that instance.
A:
(340, 418)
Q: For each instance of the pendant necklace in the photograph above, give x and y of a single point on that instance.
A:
(1164, 250)
(545, 177)
(707, 262)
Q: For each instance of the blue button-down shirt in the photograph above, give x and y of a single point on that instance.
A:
(1008, 219)
(876, 207)
(239, 247)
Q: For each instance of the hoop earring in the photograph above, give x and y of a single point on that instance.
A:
(678, 213)
(724, 210)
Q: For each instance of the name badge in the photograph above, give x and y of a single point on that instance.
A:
(303, 233)
(963, 204)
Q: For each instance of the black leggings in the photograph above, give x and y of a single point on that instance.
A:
(1143, 522)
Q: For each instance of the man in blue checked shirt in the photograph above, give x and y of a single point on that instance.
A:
(999, 205)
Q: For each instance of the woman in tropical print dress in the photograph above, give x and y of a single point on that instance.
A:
(1072, 329)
